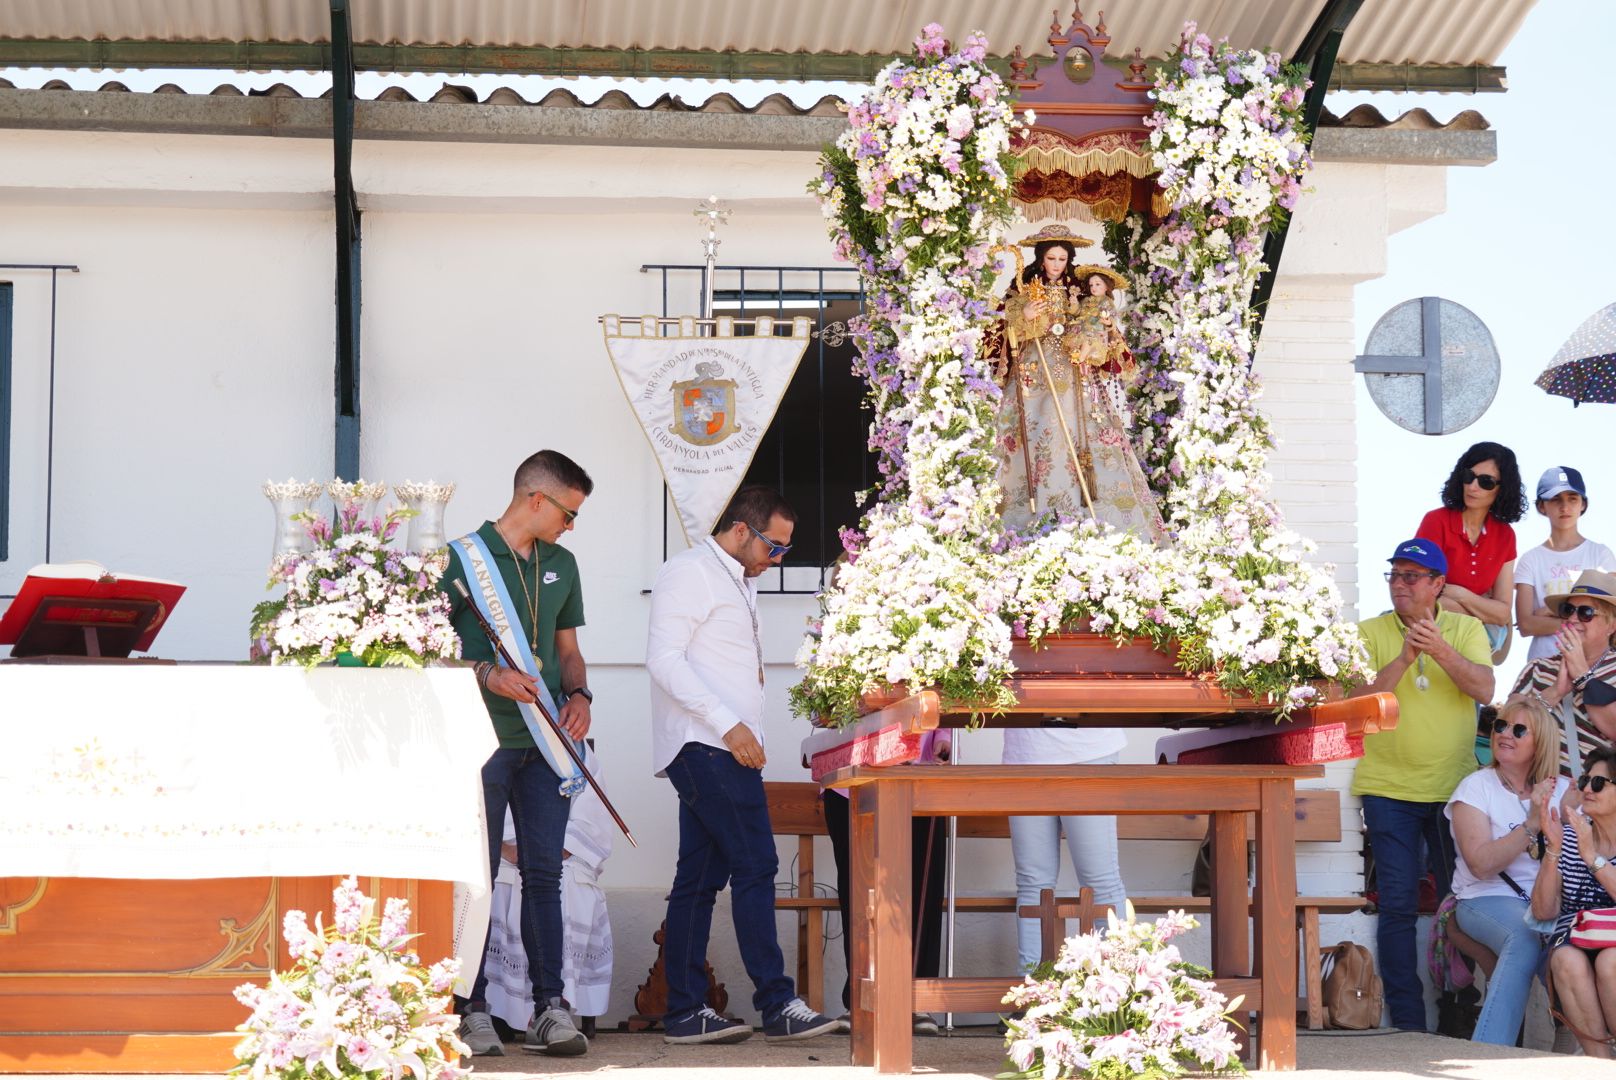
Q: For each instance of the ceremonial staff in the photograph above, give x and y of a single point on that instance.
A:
(572, 751)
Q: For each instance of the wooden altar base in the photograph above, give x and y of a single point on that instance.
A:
(885, 992)
(101, 975)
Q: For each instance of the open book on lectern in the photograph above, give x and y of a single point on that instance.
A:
(80, 608)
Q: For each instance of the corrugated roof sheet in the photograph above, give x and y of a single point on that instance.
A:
(1385, 31)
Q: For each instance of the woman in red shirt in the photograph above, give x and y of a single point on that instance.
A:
(1482, 498)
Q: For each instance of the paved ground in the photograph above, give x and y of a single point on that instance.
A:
(977, 1053)
(973, 1053)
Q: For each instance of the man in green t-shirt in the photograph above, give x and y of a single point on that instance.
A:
(1439, 665)
(541, 583)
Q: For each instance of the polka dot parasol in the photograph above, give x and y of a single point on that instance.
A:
(1585, 367)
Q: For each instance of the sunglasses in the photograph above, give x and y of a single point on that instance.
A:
(776, 549)
(571, 515)
(1407, 577)
(1583, 612)
(1593, 783)
(1481, 480)
(1519, 730)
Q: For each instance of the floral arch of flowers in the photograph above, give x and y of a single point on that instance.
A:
(917, 194)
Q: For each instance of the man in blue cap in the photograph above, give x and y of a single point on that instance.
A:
(1439, 665)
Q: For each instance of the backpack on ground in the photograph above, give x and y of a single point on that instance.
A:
(1352, 990)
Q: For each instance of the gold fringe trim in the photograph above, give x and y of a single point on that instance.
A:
(1078, 210)
(1097, 160)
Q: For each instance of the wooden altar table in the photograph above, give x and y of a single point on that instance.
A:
(885, 993)
(157, 822)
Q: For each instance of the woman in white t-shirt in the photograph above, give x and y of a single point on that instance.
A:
(1553, 566)
(1497, 814)
(1035, 841)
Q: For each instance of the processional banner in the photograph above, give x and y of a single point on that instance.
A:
(704, 400)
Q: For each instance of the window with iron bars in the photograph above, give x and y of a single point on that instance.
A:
(816, 451)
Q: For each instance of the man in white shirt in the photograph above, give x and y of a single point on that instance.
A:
(705, 658)
(1550, 568)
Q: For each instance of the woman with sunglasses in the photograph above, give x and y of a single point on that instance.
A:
(1481, 501)
(1583, 669)
(1497, 819)
(1578, 874)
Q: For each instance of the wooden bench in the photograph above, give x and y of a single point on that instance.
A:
(795, 810)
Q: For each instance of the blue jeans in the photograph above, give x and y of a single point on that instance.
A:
(1035, 844)
(724, 836)
(523, 780)
(1498, 922)
(1407, 838)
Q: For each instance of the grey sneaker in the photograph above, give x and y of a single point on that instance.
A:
(477, 1032)
(553, 1032)
(925, 1024)
(796, 1021)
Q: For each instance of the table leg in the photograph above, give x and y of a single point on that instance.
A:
(861, 868)
(892, 928)
(1276, 924)
(1312, 965)
(1231, 922)
(1231, 955)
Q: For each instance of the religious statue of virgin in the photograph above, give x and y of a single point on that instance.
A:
(1061, 433)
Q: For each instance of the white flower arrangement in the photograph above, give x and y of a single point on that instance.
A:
(1228, 139)
(918, 193)
(357, 1003)
(1119, 1004)
(354, 596)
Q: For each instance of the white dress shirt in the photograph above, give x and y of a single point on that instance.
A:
(702, 652)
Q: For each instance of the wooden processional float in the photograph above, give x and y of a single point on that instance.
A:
(1086, 158)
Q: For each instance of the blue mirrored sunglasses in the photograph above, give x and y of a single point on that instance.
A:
(775, 549)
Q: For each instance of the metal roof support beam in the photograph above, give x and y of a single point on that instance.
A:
(609, 63)
(1318, 52)
(347, 232)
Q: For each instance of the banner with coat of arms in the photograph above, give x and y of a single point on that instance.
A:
(704, 400)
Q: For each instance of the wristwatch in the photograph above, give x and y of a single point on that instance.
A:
(583, 692)
(1599, 863)
(1536, 845)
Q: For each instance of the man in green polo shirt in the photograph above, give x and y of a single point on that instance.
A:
(1439, 665)
(543, 603)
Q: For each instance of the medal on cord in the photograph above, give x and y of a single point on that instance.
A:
(751, 609)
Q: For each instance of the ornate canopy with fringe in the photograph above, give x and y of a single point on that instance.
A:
(1086, 156)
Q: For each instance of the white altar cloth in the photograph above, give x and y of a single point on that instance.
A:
(220, 771)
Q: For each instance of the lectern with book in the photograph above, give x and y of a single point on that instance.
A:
(80, 611)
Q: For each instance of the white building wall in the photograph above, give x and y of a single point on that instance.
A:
(195, 353)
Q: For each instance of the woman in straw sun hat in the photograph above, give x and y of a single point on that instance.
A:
(1582, 672)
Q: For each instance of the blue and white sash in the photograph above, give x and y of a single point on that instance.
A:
(493, 600)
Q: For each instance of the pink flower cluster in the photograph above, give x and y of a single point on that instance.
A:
(356, 1002)
(354, 593)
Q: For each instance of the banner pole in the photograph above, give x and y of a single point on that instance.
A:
(712, 214)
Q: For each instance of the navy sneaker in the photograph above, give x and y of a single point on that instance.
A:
(706, 1026)
(796, 1021)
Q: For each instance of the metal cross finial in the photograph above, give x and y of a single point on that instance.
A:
(712, 214)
